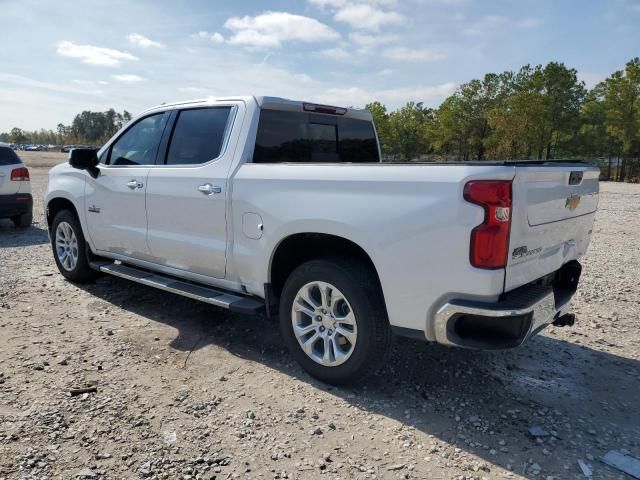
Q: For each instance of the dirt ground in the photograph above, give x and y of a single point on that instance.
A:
(43, 159)
(188, 391)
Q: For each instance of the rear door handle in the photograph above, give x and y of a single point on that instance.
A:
(133, 184)
(209, 189)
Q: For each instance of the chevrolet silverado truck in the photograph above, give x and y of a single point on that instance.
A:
(266, 205)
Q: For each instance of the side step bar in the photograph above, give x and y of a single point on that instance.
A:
(230, 300)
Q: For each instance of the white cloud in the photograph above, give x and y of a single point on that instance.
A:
(214, 37)
(366, 40)
(90, 82)
(364, 16)
(31, 83)
(337, 53)
(93, 55)
(414, 54)
(302, 77)
(393, 98)
(271, 29)
(194, 90)
(142, 41)
(127, 78)
(385, 71)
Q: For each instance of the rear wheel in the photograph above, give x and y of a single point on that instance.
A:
(23, 221)
(333, 320)
(70, 249)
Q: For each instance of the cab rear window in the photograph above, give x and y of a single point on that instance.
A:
(8, 156)
(298, 137)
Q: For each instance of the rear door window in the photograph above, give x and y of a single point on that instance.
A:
(8, 157)
(295, 137)
(198, 136)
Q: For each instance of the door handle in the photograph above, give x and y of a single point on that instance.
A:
(133, 184)
(209, 189)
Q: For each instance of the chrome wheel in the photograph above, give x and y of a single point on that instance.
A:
(66, 246)
(324, 323)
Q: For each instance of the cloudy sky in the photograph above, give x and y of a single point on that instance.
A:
(58, 58)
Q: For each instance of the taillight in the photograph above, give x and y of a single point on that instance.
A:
(20, 174)
(490, 240)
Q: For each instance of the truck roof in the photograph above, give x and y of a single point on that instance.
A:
(274, 103)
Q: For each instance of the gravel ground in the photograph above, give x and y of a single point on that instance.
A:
(188, 391)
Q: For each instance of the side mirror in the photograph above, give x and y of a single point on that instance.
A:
(85, 159)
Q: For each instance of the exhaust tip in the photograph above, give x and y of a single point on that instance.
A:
(566, 320)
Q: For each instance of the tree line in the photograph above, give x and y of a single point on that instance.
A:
(87, 128)
(538, 112)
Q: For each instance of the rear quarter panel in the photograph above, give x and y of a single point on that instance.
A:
(411, 220)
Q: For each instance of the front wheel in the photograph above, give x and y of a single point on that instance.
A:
(69, 248)
(333, 320)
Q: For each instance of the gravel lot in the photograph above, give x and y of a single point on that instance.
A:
(188, 391)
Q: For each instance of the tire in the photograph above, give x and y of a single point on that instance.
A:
(342, 279)
(77, 271)
(23, 221)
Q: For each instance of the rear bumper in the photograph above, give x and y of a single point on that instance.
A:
(509, 322)
(15, 204)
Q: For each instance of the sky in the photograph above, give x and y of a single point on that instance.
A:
(59, 58)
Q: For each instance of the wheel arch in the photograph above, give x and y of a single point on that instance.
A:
(298, 248)
(56, 205)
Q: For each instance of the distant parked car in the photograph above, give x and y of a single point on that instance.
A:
(34, 148)
(68, 148)
(16, 201)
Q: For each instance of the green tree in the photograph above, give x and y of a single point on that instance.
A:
(17, 135)
(381, 122)
(408, 130)
(563, 95)
(622, 105)
(463, 126)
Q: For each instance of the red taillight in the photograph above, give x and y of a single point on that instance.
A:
(490, 240)
(20, 174)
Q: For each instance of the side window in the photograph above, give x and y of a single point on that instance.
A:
(197, 136)
(296, 137)
(358, 143)
(139, 144)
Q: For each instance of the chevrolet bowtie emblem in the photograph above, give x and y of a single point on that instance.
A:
(572, 202)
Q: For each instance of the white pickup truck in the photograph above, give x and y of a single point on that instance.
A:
(260, 204)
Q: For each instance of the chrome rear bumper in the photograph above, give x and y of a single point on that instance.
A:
(503, 324)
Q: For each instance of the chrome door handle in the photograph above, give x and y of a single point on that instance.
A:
(133, 184)
(209, 189)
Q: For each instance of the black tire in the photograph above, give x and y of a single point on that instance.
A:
(23, 221)
(360, 287)
(82, 272)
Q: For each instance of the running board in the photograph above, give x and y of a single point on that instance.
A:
(229, 300)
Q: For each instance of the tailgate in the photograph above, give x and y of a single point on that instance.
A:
(553, 210)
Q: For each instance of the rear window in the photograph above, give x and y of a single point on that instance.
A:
(307, 137)
(197, 136)
(8, 156)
